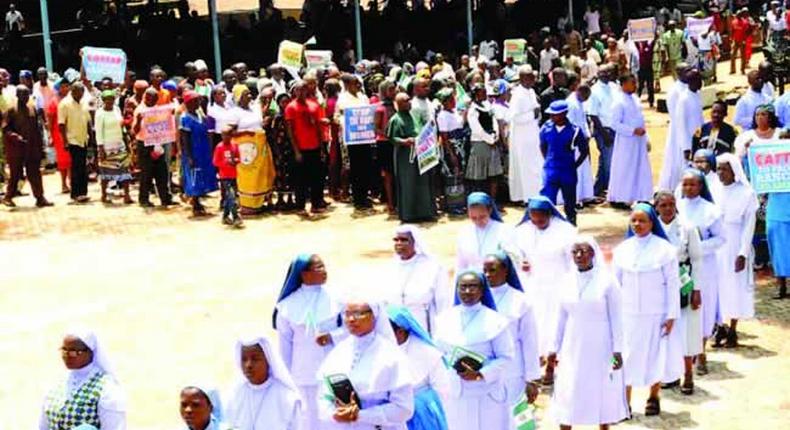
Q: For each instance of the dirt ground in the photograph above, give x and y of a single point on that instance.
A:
(168, 295)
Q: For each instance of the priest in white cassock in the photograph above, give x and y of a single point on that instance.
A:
(697, 211)
(417, 281)
(542, 240)
(307, 320)
(631, 178)
(739, 206)
(578, 117)
(646, 266)
(525, 159)
(267, 397)
(366, 382)
(431, 376)
(486, 233)
(748, 103)
(685, 119)
(678, 87)
(479, 347)
(511, 302)
(590, 389)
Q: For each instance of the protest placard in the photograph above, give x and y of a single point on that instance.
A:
(769, 167)
(641, 29)
(159, 125)
(427, 148)
(515, 48)
(358, 125)
(698, 26)
(290, 54)
(317, 58)
(100, 63)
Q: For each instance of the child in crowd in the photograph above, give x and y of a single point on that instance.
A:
(226, 157)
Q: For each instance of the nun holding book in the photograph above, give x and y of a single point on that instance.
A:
(479, 348)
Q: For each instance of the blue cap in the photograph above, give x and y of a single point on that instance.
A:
(557, 107)
(170, 85)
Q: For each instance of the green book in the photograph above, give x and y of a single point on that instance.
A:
(524, 415)
(472, 359)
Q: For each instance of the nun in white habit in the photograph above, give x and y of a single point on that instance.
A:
(418, 281)
(485, 235)
(201, 408)
(90, 384)
(308, 324)
(542, 240)
(646, 266)
(479, 347)
(267, 397)
(697, 212)
(590, 389)
(739, 206)
(511, 302)
(370, 362)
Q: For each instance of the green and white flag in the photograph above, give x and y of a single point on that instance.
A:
(524, 415)
(686, 282)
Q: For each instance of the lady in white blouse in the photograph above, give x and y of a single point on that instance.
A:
(418, 281)
(698, 213)
(739, 206)
(307, 320)
(487, 233)
(90, 394)
(590, 389)
(479, 347)
(366, 383)
(267, 398)
(646, 266)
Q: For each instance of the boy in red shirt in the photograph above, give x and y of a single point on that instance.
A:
(226, 157)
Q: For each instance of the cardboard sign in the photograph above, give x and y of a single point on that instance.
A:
(317, 59)
(769, 167)
(359, 125)
(158, 125)
(100, 63)
(427, 148)
(515, 48)
(290, 54)
(698, 26)
(641, 29)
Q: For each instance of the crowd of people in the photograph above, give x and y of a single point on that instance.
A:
(422, 352)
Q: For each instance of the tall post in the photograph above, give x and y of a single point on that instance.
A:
(469, 34)
(212, 7)
(570, 12)
(45, 36)
(358, 29)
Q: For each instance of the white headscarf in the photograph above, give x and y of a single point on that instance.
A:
(213, 395)
(598, 261)
(277, 368)
(736, 166)
(420, 245)
(89, 338)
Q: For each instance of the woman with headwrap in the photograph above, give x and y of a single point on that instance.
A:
(256, 170)
(201, 409)
(307, 320)
(765, 129)
(686, 338)
(590, 389)
(417, 281)
(698, 212)
(485, 235)
(512, 303)
(114, 159)
(267, 398)
(90, 394)
(646, 266)
(542, 240)
(479, 347)
(365, 382)
(62, 157)
(197, 167)
(739, 209)
(431, 377)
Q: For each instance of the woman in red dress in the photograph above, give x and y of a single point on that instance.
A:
(61, 154)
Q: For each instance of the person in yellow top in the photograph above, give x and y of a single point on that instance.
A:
(75, 125)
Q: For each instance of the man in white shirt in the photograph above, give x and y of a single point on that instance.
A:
(592, 17)
(777, 26)
(547, 56)
(600, 111)
(14, 21)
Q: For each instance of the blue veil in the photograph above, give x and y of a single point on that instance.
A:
(487, 300)
(401, 317)
(709, 155)
(293, 280)
(540, 203)
(479, 198)
(651, 212)
(512, 275)
(705, 192)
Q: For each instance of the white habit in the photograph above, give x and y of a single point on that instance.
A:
(475, 243)
(584, 175)
(684, 121)
(631, 177)
(525, 159)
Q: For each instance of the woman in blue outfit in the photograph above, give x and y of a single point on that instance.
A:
(431, 378)
(197, 169)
